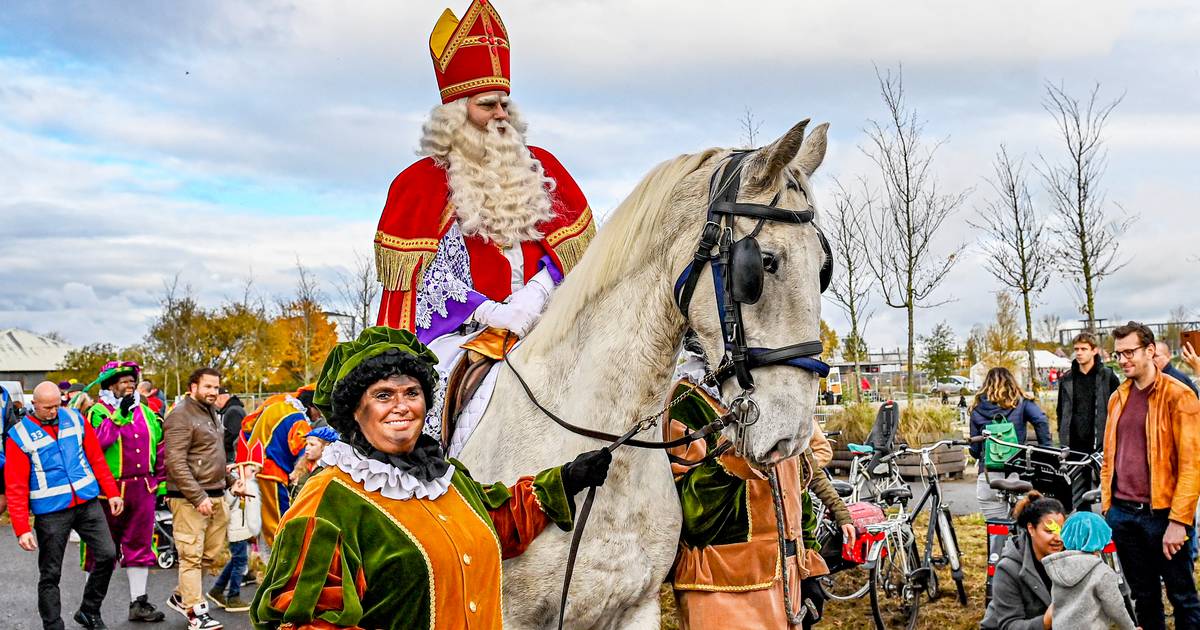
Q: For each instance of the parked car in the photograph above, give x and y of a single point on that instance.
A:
(953, 385)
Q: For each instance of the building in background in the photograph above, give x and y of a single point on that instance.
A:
(27, 357)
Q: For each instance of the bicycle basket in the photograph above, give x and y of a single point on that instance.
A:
(840, 557)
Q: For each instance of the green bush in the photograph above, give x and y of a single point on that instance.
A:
(854, 421)
(927, 420)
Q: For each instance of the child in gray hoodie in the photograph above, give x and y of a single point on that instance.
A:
(1085, 591)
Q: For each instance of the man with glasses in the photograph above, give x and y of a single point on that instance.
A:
(1150, 480)
(55, 469)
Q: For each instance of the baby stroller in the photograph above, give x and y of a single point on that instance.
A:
(164, 539)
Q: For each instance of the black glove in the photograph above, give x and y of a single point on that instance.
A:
(126, 404)
(589, 470)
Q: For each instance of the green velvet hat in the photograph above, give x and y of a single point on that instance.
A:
(346, 356)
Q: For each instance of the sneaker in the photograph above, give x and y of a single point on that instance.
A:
(218, 597)
(141, 609)
(91, 621)
(235, 603)
(175, 602)
(199, 619)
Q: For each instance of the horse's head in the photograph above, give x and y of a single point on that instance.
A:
(787, 311)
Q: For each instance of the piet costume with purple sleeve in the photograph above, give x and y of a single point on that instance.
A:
(434, 277)
(132, 443)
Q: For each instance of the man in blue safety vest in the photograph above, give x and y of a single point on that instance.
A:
(56, 470)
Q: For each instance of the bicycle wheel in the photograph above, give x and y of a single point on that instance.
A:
(948, 539)
(845, 585)
(890, 585)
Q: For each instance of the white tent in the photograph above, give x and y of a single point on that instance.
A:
(1043, 362)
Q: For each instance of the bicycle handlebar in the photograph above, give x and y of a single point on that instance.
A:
(1062, 454)
(902, 449)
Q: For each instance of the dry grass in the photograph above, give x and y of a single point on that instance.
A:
(943, 614)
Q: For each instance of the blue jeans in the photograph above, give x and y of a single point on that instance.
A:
(1138, 536)
(239, 556)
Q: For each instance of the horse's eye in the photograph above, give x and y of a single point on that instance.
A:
(770, 263)
(792, 185)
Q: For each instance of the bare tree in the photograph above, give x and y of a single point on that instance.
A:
(358, 290)
(911, 213)
(171, 340)
(750, 125)
(850, 289)
(1048, 327)
(305, 304)
(1015, 241)
(1088, 239)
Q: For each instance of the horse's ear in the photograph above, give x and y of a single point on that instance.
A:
(781, 152)
(812, 152)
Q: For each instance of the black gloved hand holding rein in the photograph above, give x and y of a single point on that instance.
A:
(589, 469)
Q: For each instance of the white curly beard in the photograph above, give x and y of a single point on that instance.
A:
(498, 189)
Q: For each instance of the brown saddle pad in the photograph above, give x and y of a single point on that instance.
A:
(464, 381)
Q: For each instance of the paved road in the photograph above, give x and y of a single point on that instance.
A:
(959, 494)
(18, 583)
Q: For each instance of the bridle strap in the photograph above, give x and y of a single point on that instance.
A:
(762, 356)
(691, 275)
(762, 211)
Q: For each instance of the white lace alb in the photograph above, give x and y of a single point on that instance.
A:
(384, 478)
(447, 278)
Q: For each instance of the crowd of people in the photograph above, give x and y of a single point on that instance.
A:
(1145, 425)
(102, 468)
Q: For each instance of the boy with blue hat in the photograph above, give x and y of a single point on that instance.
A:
(1085, 592)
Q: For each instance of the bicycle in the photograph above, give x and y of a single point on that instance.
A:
(876, 475)
(897, 567)
(847, 580)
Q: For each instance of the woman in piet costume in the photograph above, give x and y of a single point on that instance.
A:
(390, 533)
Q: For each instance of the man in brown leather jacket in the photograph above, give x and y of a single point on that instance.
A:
(196, 482)
(1150, 480)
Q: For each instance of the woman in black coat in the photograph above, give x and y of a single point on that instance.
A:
(1021, 588)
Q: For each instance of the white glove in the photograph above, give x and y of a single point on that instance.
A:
(523, 308)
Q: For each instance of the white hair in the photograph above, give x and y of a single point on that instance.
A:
(498, 189)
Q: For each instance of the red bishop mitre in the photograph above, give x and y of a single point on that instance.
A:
(470, 56)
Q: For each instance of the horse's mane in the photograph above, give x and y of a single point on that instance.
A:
(618, 250)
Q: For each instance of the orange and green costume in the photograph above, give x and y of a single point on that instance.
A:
(346, 557)
(273, 437)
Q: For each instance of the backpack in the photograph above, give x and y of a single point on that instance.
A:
(996, 456)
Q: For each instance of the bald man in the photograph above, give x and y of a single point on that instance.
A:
(1162, 359)
(55, 469)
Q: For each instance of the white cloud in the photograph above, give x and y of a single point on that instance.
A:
(141, 139)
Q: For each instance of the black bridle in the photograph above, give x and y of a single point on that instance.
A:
(738, 268)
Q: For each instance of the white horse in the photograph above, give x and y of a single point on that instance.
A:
(602, 356)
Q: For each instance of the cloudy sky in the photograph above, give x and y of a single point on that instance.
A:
(226, 140)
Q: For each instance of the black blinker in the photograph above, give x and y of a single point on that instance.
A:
(746, 270)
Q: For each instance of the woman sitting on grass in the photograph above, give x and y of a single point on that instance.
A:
(1021, 586)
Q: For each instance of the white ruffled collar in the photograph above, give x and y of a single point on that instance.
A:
(107, 397)
(384, 478)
